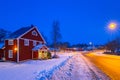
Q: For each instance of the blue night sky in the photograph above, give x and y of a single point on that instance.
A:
(81, 21)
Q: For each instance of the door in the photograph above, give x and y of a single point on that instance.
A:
(40, 54)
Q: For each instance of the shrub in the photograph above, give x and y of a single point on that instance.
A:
(48, 55)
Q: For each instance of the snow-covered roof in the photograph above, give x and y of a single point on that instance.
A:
(1, 45)
(39, 46)
(19, 32)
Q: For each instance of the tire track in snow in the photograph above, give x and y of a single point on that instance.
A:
(77, 68)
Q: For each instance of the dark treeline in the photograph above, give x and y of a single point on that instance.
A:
(3, 34)
(68, 45)
(113, 46)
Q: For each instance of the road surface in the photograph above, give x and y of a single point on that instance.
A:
(109, 64)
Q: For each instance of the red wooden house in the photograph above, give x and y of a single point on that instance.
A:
(20, 44)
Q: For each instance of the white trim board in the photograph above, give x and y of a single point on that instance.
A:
(18, 50)
(30, 39)
(40, 35)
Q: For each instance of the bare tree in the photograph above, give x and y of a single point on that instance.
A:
(56, 35)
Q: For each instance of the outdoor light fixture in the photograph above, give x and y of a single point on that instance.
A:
(112, 26)
(15, 49)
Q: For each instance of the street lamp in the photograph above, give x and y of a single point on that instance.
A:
(90, 43)
(112, 26)
(112, 29)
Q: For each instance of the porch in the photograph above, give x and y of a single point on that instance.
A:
(40, 52)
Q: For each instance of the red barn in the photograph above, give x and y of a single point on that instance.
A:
(20, 44)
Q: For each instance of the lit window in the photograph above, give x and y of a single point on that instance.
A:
(10, 42)
(26, 42)
(10, 54)
(34, 43)
(34, 33)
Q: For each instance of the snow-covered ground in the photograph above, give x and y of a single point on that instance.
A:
(79, 68)
(75, 69)
(30, 70)
(71, 66)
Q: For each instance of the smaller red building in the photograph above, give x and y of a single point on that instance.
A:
(39, 52)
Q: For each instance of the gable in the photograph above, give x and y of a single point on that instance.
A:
(33, 34)
(40, 47)
(44, 48)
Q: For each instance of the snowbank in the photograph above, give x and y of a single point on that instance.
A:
(32, 69)
(47, 74)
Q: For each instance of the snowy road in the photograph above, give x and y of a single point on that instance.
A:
(79, 68)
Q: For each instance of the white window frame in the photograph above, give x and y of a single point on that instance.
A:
(26, 42)
(10, 54)
(34, 43)
(34, 33)
(10, 42)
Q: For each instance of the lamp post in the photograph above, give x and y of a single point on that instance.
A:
(91, 46)
(112, 27)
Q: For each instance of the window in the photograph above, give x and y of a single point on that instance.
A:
(10, 42)
(10, 54)
(34, 33)
(34, 43)
(26, 42)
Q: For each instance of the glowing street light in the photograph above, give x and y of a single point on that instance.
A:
(90, 43)
(112, 26)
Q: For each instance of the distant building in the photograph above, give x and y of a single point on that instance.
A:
(23, 44)
(70, 49)
(54, 49)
